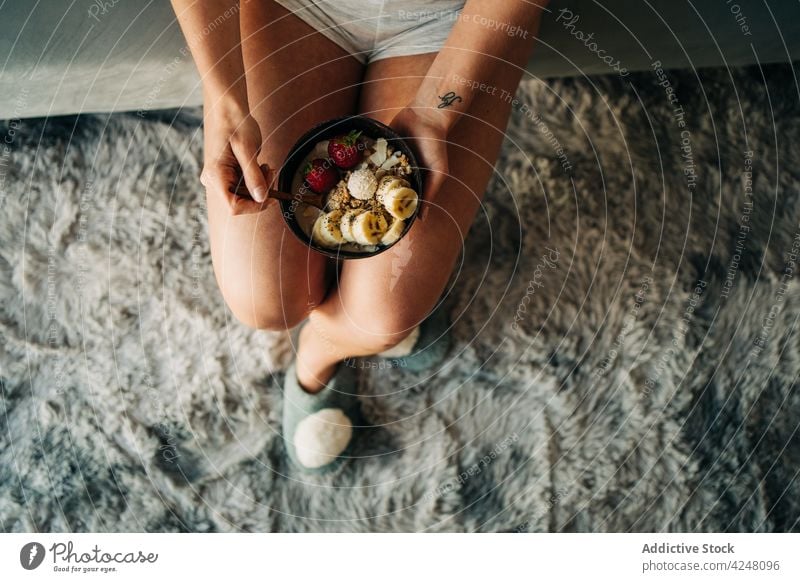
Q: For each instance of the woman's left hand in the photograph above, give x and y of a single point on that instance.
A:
(428, 137)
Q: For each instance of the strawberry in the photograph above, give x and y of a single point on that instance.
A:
(345, 150)
(320, 175)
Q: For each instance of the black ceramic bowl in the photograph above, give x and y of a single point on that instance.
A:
(369, 128)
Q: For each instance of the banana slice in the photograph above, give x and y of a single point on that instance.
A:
(368, 227)
(388, 182)
(394, 232)
(346, 224)
(327, 231)
(400, 202)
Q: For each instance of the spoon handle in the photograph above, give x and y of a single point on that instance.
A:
(310, 199)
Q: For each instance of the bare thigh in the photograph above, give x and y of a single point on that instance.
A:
(296, 78)
(398, 288)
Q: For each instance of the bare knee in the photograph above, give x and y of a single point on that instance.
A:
(260, 310)
(274, 297)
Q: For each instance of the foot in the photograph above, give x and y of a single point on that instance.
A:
(318, 427)
(425, 347)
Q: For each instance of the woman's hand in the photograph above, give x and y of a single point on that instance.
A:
(427, 135)
(232, 137)
(232, 141)
(465, 64)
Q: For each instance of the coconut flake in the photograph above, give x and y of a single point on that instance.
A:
(380, 147)
(379, 156)
(391, 162)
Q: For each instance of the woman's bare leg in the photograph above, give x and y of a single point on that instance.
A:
(296, 78)
(379, 300)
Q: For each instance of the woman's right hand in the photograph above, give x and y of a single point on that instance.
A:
(232, 140)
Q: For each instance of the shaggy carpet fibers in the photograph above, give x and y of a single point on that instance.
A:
(625, 337)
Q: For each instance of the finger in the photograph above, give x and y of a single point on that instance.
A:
(219, 178)
(221, 181)
(247, 156)
(431, 188)
(270, 175)
(435, 180)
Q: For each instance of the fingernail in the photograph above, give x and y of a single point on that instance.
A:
(260, 194)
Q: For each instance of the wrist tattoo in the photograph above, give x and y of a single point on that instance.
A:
(448, 99)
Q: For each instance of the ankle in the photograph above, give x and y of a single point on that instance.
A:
(312, 381)
(315, 367)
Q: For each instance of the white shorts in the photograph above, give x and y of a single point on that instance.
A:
(378, 29)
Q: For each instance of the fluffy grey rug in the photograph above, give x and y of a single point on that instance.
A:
(626, 355)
